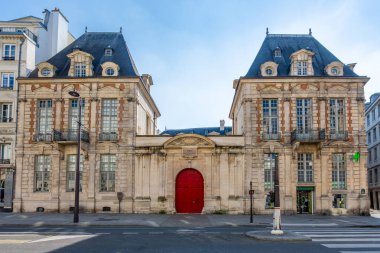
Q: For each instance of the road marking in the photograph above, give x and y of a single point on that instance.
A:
(61, 237)
(343, 235)
(13, 241)
(360, 252)
(210, 232)
(341, 232)
(237, 233)
(309, 224)
(102, 233)
(184, 221)
(130, 233)
(347, 240)
(351, 246)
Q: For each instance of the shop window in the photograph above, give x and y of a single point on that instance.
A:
(339, 201)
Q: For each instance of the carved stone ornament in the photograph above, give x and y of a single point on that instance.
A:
(192, 140)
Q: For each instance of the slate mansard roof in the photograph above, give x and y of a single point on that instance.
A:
(95, 44)
(205, 131)
(288, 45)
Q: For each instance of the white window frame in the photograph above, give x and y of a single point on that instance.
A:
(80, 69)
(339, 174)
(42, 173)
(9, 56)
(304, 115)
(6, 112)
(337, 115)
(305, 168)
(302, 68)
(108, 52)
(107, 173)
(109, 115)
(73, 113)
(71, 170)
(8, 84)
(45, 117)
(5, 152)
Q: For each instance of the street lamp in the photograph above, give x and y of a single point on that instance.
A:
(77, 175)
(277, 210)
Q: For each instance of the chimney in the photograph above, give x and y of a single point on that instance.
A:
(351, 65)
(222, 122)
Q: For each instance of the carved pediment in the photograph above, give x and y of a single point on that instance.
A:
(192, 140)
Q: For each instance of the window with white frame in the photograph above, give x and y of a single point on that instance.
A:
(305, 167)
(109, 116)
(338, 171)
(369, 140)
(70, 176)
(378, 111)
(374, 134)
(9, 52)
(6, 112)
(301, 68)
(269, 170)
(375, 176)
(5, 153)
(73, 114)
(107, 173)
(7, 80)
(270, 118)
(42, 173)
(303, 116)
(80, 70)
(368, 120)
(337, 118)
(45, 118)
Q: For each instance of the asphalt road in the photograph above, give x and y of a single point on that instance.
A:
(179, 239)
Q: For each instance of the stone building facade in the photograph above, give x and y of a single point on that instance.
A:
(298, 108)
(298, 105)
(372, 114)
(23, 41)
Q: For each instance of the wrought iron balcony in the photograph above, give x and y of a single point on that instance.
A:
(271, 136)
(108, 136)
(308, 136)
(5, 161)
(43, 137)
(339, 135)
(70, 135)
(4, 120)
(19, 31)
(9, 58)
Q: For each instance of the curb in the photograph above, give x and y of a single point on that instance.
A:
(267, 236)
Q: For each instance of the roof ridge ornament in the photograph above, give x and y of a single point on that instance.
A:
(310, 33)
(121, 29)
(85, 29)
(267, 32)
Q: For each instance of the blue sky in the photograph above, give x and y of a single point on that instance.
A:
(194, 49)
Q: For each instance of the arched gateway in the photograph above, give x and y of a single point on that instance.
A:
(189, 191)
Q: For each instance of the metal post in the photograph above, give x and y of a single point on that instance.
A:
(277, 210)
(251, 198)
(77, 173)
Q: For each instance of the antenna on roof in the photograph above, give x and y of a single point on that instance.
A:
(310, 33)
(267, 32)
(121, 29)
(85, 29)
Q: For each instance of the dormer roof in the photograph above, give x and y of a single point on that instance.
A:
(290, 44)
(94, 44)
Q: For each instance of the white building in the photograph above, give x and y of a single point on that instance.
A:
(24, 42)
(373, 140)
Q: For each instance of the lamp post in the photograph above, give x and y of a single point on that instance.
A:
(77, 174)
(277, 210)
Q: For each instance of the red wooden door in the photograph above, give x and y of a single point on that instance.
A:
(189, 192)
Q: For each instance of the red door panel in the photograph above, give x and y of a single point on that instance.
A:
(189, 192)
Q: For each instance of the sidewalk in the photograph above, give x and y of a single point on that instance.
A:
(181, 220)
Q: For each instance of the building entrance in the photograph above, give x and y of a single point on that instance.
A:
(189, 196)
(305, 200)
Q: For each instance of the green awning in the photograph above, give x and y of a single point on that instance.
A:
(305, 188)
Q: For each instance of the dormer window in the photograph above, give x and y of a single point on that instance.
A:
(80, 70)
(45, 72)
(302, 63)
(269, 68)
(108, 52)
(302, 68)
(335, 68)
(334, 71)
(277, 52)
(110, 71)
(269, 71)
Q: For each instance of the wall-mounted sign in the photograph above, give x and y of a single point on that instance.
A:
(356, 157)
(189, 152)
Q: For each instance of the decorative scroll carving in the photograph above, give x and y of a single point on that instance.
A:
(189, 140)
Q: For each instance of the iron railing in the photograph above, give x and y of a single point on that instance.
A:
(5, 161)
(4, 120)
(308, 136)
(43, 137)
(71, 135)
(108, 136)
(339, 135)
(271, 136)
(19, 30)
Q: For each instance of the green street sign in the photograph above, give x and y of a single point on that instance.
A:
(356, 157)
